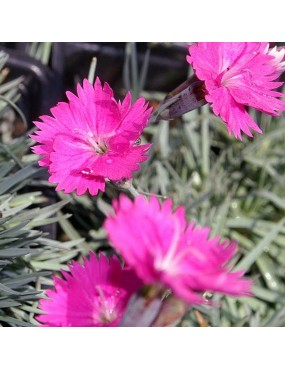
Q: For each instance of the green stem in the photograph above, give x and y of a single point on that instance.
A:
(133, 191)
(92, 70)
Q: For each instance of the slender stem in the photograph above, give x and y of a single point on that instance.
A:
(134, 70)
(163, 105)
(133, 191)
(126, 68)
(144, 71)
(92, 70)
(205, 143)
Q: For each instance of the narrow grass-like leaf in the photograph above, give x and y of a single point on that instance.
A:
(251, 257)
(275, 199)
(46, 265)
(15, 107)
(10, 84)
(9, 303)
(18, 177)
(51, 210)
(205, 143)
(51, 220)
(46, 52)
(277, 319)
(163, 138)
(5, 289)
(6, 167)
(126, 68)
(134, 70)
(15, 252)
(23, 279)
(15, 322)
(221, 216)
(268, 295)
(144, 70)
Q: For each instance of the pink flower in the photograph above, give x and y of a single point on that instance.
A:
(92, 138)
(239, 74)
(93, 294)
(162, 249)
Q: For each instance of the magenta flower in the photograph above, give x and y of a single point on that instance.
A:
(239, 74)
(92, 138)
(93, 294)
(162, 249)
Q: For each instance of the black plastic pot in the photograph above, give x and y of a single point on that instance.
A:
(44, 86)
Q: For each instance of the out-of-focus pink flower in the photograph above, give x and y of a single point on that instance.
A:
(93, 294)
(162, 249)
(92, 138)
(239, 74)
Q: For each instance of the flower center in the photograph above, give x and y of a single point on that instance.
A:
(98, 145)
(230, 76)
(106, 311)
(223, 77)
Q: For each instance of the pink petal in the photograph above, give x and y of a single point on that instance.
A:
(93, 294)
(156, 243)
(238, 75)
(92, 138)
(232, 113)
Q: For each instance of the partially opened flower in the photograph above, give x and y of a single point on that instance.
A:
(163, 250)
(239, 74)
(92, 138)
(93, 294)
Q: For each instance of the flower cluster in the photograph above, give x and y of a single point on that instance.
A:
(94, 138)
(160, 249)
